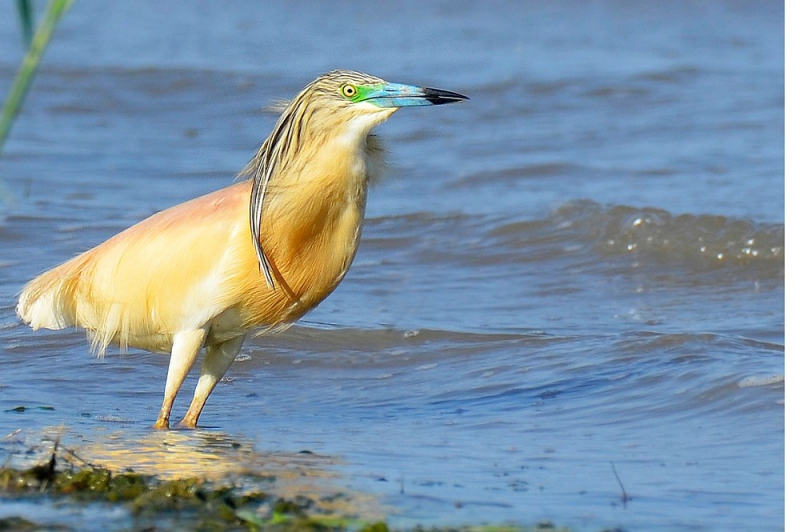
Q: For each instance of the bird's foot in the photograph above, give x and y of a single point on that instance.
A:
(187, 423)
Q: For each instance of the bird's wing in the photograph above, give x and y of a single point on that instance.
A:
(152, 279)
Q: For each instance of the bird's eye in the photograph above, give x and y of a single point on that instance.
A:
(348, 91)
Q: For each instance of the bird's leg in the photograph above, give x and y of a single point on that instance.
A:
(185, 347)
(218, 359)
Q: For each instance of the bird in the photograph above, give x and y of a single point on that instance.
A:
(255, 255)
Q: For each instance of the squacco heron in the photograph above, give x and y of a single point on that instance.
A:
(257, 254)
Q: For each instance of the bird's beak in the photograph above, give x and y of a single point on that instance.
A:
(400, 95)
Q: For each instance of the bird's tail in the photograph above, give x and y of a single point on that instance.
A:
(49, 301)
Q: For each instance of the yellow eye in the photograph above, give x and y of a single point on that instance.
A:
(348, 91)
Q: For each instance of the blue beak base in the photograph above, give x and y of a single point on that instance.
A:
(399, 95)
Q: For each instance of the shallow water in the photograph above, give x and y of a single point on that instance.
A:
(582, 266)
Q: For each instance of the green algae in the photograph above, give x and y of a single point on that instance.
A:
(196, 502)
(18, 524)
(189, 503)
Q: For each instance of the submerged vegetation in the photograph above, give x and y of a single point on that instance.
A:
(185, 504)
(152, 504)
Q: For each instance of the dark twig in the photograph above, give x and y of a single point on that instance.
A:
(85, 462)
(46, 473)
(625, 497)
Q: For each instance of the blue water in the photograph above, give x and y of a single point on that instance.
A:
(581, 266)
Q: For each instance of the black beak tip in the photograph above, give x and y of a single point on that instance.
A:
(441, 96)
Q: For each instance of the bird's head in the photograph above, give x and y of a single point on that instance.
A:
(357, 102)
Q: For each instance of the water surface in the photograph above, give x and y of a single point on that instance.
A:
(582, 266)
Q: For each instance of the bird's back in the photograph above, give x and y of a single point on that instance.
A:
(178, 269)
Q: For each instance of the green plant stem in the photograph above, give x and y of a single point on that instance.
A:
(26, 21)
(22, 81)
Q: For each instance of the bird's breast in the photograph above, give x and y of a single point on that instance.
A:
(311, 234)
(316, 248)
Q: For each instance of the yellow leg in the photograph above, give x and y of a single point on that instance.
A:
(185, 347)
(218, 359)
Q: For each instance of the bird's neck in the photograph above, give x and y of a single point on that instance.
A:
(313, 216)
